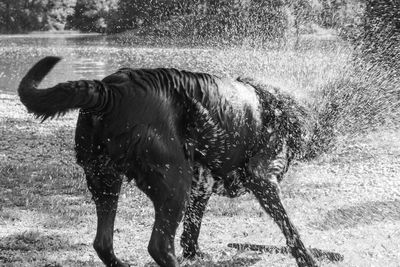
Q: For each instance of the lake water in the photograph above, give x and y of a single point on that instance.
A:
(88, 57)
(96, 56)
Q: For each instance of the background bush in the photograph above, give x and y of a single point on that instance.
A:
(380, 38)
(227, 18)
(18, 16)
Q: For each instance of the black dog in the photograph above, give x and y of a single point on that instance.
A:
(157, 126)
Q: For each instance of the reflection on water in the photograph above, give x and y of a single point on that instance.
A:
(89, 67)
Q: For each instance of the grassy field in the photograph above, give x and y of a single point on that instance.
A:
(346, 201)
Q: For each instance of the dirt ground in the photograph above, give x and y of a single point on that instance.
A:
(347, 201)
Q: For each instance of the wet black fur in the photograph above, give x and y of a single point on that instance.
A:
(162, 127)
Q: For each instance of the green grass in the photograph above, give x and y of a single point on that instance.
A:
(346, 200)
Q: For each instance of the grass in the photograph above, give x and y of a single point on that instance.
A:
(341, 202)
(345, 200)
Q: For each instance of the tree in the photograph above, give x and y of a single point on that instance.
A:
(91, 15)
(232, 20)
(21, 15)
(381, 32)
(33, 15)
(132, 14)
(57, 12)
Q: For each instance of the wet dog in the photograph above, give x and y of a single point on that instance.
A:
(162, 128)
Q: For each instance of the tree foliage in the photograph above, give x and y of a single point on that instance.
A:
(381, 32)
(21, 15)
(30, 15)
(57, 13)
(203, 18)
(90, 15)
(227, 19)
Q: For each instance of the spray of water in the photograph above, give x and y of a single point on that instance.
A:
(345, 95)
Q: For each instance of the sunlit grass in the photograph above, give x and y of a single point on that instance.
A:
(44, 202)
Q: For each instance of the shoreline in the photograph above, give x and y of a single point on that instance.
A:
(49, 34)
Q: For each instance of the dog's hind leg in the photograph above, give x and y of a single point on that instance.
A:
(169, 191)
(199, 196)
(263, 182)
(104, 183)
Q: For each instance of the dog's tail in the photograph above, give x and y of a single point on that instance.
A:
(57, 100)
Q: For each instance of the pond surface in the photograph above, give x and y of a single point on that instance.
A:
(88, 56)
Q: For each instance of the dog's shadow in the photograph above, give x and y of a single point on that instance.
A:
(319, 254)
(271, 249)
(235, 261)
